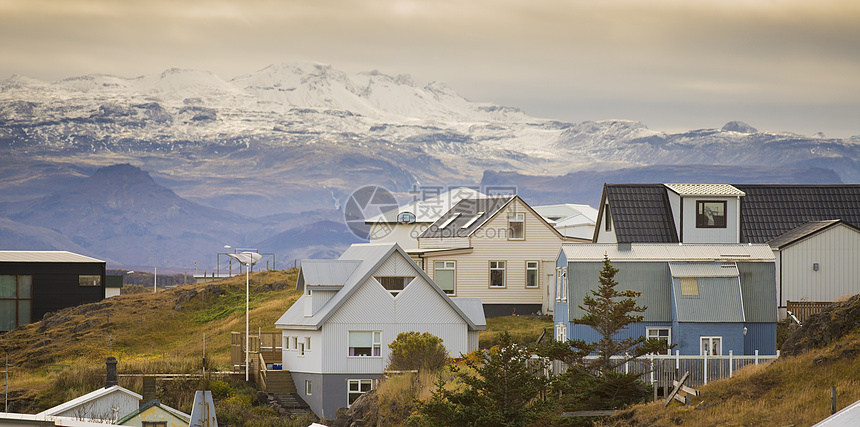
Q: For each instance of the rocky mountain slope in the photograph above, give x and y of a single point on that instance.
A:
(301, 137)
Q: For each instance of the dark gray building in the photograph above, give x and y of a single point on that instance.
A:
(33, 283)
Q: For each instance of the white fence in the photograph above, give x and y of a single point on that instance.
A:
(661, 370)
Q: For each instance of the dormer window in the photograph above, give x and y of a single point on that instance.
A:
(710, 214)
(394, 284)
(516, 226)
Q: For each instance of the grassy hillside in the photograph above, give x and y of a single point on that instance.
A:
(161, 333)
(794, 390)
(149, 332)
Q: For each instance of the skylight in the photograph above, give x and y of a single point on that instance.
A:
(449, 220)
(472, 221)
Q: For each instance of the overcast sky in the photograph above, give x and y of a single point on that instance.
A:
(791, 65)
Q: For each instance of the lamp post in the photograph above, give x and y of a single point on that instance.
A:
(249, 259)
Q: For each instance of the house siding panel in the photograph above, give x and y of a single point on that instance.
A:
(689, 334)
(292, 359)
(730, 234)
(411, 305)
(719, 300)
(370, 303)
(759, 291)
(443, 242)
(650, 278)
(396, 265)
(761, 337)
(836, 251)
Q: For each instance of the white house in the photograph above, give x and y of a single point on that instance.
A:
(336, 335)
(817, 261)
(107, 404)
(570, 219)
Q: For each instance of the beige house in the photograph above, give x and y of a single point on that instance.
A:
(494, 248)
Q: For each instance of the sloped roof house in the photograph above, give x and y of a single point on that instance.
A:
(336, 334)
(811, 228)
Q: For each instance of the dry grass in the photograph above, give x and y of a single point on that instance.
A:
(790, 391)
(523, 329)
(150, 333)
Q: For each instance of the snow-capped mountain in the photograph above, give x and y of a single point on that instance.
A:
(302, 136)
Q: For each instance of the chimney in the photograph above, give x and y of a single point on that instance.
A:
(111, 381)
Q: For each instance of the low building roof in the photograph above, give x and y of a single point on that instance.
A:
(803, 231)
(93, 395)
(667, 252)
(45, 256)
(639, 213)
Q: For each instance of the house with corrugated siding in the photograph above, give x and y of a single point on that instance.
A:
(705, 299)
(494, 248)
(336, 334)
(797, 221)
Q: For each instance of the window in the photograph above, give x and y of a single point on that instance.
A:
(710, 214)
(472, 221)
(301, 349)
(532, 274)
(564, 284)
(307, 343)
(561, 332)
(445, 273)
(405, 218)
(308, 387)
(365, 343)
(15, 300)
(89, 280)
(663, 334)
(607, 219)
(711, 346)
(294, 343)
(516, 226)
(497, 274)
(356, 388)
(558, 284)
(154, 423)
(394, 284)
(689, 286)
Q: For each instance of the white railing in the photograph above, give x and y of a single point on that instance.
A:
(661, 370)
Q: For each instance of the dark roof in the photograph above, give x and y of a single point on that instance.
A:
(640, 213)
(805, 230)
(465, 211)
(770, 211)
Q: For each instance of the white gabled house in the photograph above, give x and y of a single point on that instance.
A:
(336, 335)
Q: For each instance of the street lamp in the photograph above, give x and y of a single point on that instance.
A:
(249, 259)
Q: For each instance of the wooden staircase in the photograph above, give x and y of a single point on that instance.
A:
(279, 382)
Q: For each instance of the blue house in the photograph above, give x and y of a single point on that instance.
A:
(705, 298)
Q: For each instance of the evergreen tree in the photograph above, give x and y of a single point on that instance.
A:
(504, 392)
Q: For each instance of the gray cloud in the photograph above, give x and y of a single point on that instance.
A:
(781, 65)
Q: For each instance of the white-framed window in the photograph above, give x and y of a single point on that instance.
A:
(712, 346)
(294, 343)
(301, 349)
(532, 274)
(355, 388)
(365, 343)
(564, 284)
(516, 226)
(445, 273)
(308, 387)
(561, 332)
(660, 333)
(307, 343)
(497, 274)
(558, 284)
